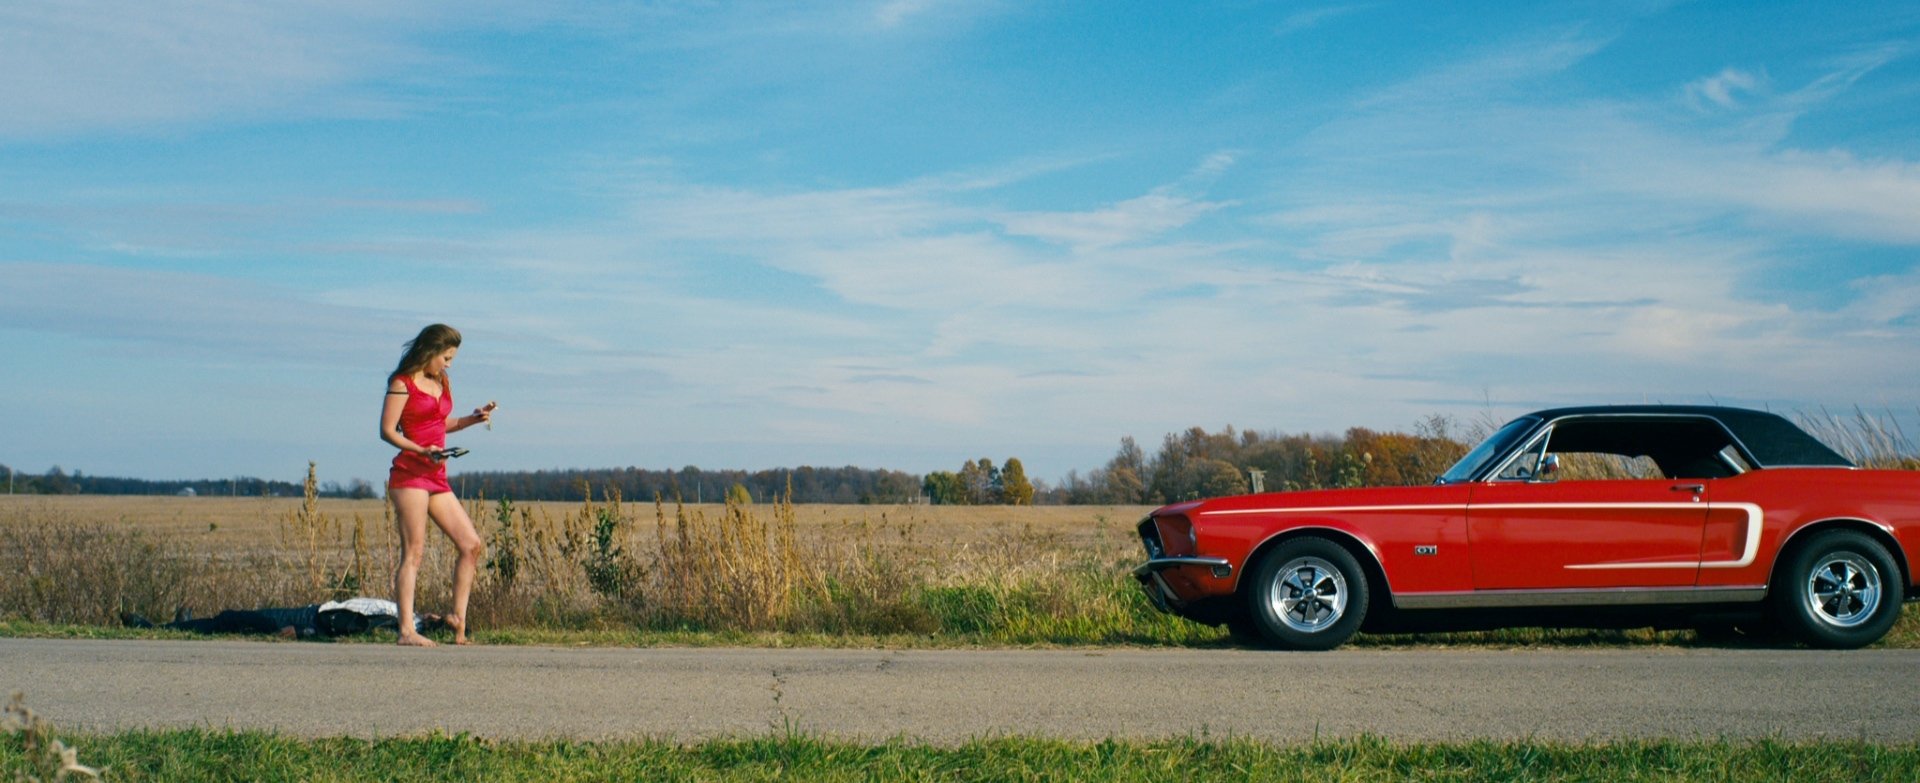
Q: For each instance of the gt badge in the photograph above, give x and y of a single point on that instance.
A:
(1426, 549)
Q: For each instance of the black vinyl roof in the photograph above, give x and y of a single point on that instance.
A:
(1770, 439)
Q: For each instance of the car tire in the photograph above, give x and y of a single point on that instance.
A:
(1840, 590)
(1307, 594)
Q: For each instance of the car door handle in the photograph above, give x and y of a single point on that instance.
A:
(1694, 488)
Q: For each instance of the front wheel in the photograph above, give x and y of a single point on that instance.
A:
(1307, 594)
(1841, 590)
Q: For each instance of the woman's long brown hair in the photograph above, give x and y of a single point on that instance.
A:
(431, 342)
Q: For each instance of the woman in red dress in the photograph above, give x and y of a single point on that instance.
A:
(416, 419)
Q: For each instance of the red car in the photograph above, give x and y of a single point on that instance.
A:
(1680, 513)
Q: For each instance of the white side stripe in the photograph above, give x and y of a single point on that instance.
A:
(1452, 507)
(1755, 515)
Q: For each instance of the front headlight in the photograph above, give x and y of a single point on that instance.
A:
(1150, 536)
(1193, 537)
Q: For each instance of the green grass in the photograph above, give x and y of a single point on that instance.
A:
(208, 755)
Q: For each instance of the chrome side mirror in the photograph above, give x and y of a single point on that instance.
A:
(1549, 468)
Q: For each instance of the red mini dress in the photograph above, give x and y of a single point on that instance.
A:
(423, 421)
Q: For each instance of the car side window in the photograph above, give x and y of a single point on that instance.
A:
(1579, 466)
(1604, 448)
(1525, 465)
(1596, 466)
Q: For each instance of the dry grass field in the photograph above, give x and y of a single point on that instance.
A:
(253, 525)
(1021, 574)
(615, 572)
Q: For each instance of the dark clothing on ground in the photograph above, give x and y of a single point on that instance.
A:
(304, 620)
(331, 619)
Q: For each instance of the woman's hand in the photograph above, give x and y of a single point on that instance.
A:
(481, 415)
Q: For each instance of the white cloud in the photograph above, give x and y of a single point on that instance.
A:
(1356, 307)
(1825, 193)
(174, 313)
(104, 66)
(1134, 220)
(1308, 19)
(1492, 71)
(84, 66)
(1478, 235)
(1145, 218)
(1834, 191)
(1722, 89)
(1887, 299)
(893, 13)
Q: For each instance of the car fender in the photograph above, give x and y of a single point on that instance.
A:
(1878, 531)
(1363, 547)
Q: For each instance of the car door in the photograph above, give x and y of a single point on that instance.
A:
(1614, 533)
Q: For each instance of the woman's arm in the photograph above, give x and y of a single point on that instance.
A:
(478, 416)
(390, 420)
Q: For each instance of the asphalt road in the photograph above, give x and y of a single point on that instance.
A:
(948, 696)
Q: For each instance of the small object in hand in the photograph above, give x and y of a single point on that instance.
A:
(452, 452)
(491, 405)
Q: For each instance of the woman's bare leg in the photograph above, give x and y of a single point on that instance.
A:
(453, 520)
(410, 516)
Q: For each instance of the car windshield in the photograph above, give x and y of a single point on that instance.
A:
(1488, 450)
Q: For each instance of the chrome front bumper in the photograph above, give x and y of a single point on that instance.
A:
(1222, 568)
(1159, 592)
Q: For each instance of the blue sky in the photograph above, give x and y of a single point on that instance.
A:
(914, 232)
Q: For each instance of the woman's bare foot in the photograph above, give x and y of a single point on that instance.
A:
(459, 626)
(411, 639)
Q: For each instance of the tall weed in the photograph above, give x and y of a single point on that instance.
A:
(67, 572)
(47, 758)
(1870, 440)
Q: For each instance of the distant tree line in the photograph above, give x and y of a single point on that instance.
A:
(1191, 464)
(692, 484)
(979, 483)
(57, 481)
(1196, 464)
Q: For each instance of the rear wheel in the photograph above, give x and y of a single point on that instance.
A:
(1840, 590)
(1307, 594)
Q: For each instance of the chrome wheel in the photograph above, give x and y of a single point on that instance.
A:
(1843, 590)
(1309, 595)
(1839, 589)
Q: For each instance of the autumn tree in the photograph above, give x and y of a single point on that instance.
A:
(981, 481)
(1125, 479)
(1015, 489)
(944, 488)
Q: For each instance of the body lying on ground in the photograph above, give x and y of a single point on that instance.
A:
(328, 620)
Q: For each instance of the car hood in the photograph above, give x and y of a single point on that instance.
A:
(1429, 494)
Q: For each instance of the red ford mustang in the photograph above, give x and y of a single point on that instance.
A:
(1562, 515)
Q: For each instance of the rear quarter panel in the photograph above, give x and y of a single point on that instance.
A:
(1795, 499)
